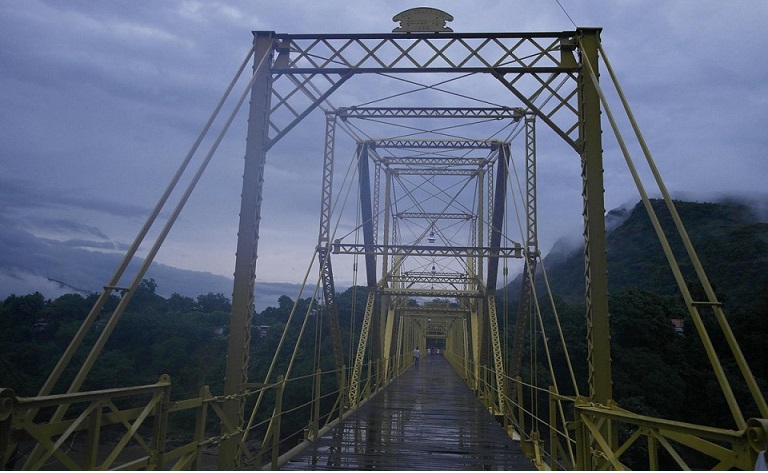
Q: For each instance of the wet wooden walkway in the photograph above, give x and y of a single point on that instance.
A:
(427, 419)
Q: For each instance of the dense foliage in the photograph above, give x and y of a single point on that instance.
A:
(180, 336)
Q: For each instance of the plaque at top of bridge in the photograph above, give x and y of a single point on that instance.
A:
(422, 20)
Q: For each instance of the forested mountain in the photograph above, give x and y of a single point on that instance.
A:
(730, 241)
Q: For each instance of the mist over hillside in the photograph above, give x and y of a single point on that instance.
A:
(736, 227)
(730, 238)
(31, 264)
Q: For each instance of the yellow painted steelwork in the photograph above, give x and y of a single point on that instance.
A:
(354, 386)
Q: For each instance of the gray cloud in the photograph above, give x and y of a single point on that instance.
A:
(30, 264)
(29, 195)
(99, 102)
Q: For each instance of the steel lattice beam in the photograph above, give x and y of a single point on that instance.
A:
(412, 250)
(448, 52)
(316, 65)
(434, 293)
(435, 172)
(323, 240)
(435, 144)
(412, 277)
(432, 311)
(495, 113)
(357, 368)
(435, 215)
(433, 161)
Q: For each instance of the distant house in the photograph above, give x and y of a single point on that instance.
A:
(262, 330)
(678, 324)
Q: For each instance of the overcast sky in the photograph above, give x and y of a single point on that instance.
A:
(101, 100)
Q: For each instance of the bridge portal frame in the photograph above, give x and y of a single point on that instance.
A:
(317, 65)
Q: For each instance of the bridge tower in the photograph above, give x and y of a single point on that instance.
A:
(287, 67)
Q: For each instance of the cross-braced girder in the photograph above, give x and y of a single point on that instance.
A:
(447, 311)
(413, 277)
(495, 113)
(435, 215)
(443, 52)
(441, 161)
(413, 250)
(536, 67)
(431, 293)
(433, 144)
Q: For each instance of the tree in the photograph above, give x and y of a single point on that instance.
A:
(214, 302)
(179, 303)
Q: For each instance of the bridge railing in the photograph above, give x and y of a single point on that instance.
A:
(652, 443)
(133, 419)
(563, 432)
(140, 427)
(534, 416)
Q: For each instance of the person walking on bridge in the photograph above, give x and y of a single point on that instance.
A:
(416, 356)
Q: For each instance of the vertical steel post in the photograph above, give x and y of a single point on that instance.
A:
(324, 239)
(160, 426)
(90, 455)
(201, 418)
(247, 245)
(532, 248)
(387, 303)
(366, 210)
(277, 419)
(315, 423)
(497, 217)
(594, 228)
(595, 256)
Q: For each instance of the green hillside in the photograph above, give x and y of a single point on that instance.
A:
(731, 243)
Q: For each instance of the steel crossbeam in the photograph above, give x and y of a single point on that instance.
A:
(421, 277)
(433, 161)
(415, 250)
(436, 311)
(435, 172)
(435, 52)
(540, 64)
(435, 215)
(438, 293)
(495, 113)
(434, 144)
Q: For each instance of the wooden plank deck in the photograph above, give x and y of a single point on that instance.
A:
(427, 419)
